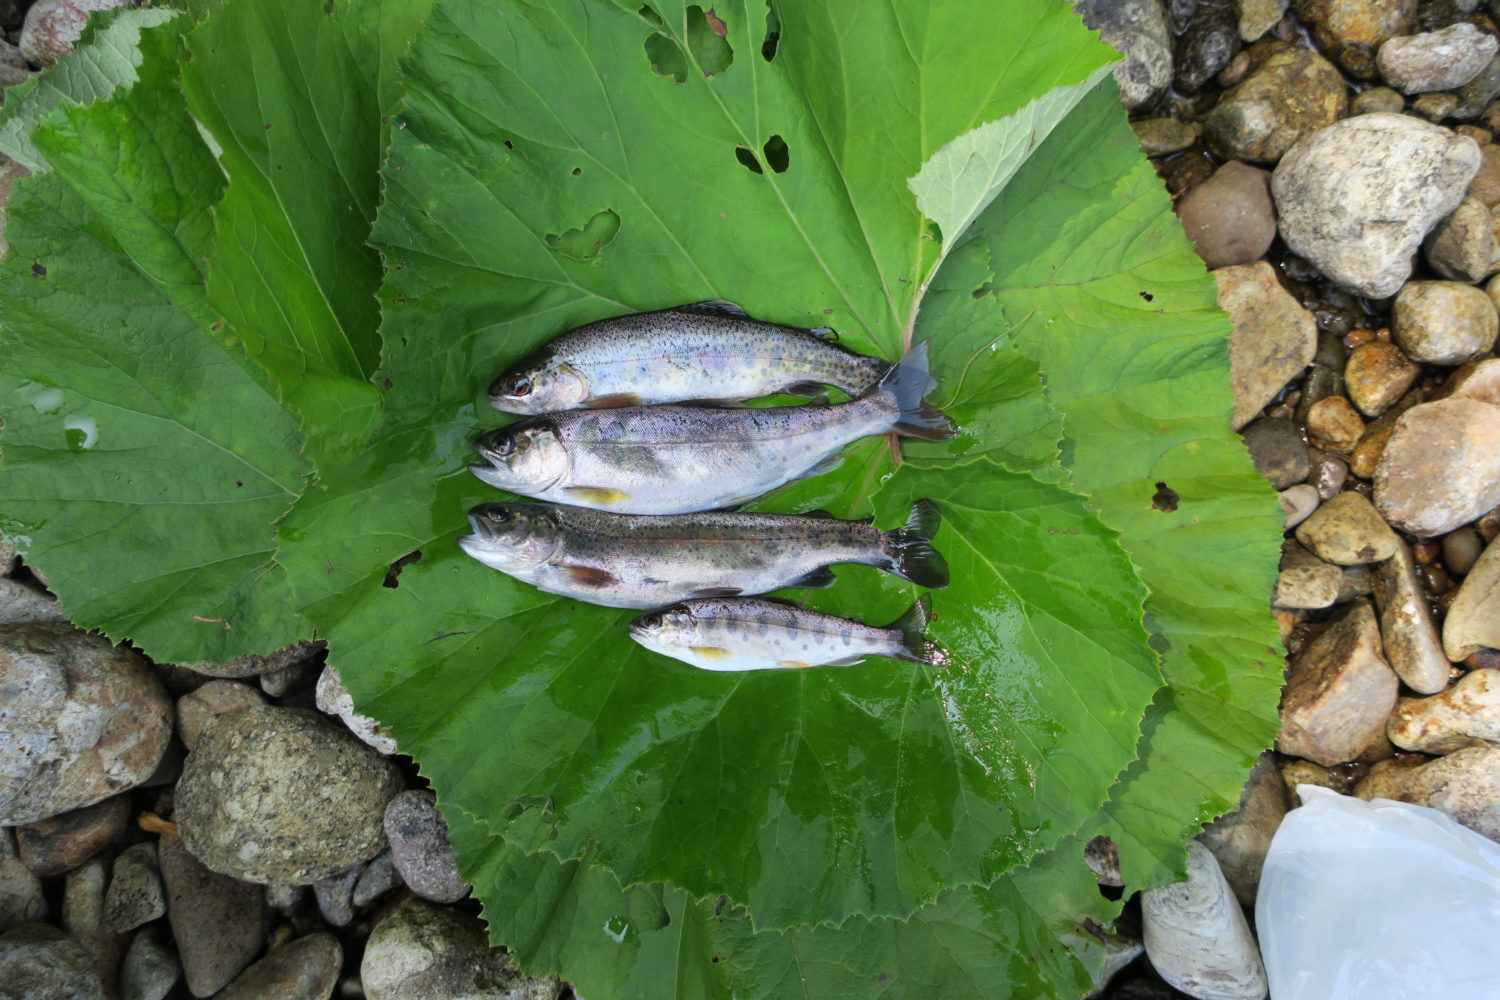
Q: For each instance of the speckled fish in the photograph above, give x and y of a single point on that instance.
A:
(705, 351)
(641, 561)
(743, 633)
(680, 459)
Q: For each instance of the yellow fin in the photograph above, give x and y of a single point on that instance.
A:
(712, 652)
(794, 664)
(598, 494)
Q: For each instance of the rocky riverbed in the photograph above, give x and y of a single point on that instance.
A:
(237, 830)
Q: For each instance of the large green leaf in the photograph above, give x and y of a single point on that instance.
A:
(143, 465)
(747, 786)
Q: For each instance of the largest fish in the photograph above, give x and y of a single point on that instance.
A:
(709, 350)
(680, 459)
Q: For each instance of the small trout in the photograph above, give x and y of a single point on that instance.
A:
(625, 561)
(706, 351)
(680, 459)
(731, 634)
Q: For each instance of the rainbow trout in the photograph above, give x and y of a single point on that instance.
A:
(680, 459)
(705, 351)
(742, 633)
(625, 561)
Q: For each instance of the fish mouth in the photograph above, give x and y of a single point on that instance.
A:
(497, 476)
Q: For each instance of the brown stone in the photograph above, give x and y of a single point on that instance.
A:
(54, 845)
(1338, 692)
(1441, 467)
(1377, 375)
(1273, 338)
(305, 968)
(195, 709)
(1366, 457)
(1486, 184)
(1465, 785)
(1410, 638)
(1352, 32)
(1466, 714)
(1334, 423)
(1462, 246)
(1305, 580)
(1347, 531)
(1290, 93)
(1476, 380)
(1229, 217)
(1240, 839)
(1445, 322)
(218, 921)
(1473, 621)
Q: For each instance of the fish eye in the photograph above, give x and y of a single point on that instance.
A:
(520, 386)
(651, 621)
(503, 443)
(500, 515)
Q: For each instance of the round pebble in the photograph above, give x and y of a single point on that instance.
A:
(1271, 341)
(135, 895)
(419, 847)
(1473, 621)
(1229, 217)
(1465, 784)
(1160, 136)
(1137, 29)
(151, 968)
(426, 952)
(1334, 423)
(282, 795)
(1467, 714)
(1347, 531)
(1339, 691)
(1297, 502)
(58, 843)
(1436, 60)
(1377, 375)
(1277, 450)
(1289, 94)
(1377, 99)
(1462, 246)
(218, 923)
(1444, 322)
(304, 969)
(197, 707)
(1352, 31)
(1461, 548)
(1211, 40)
(1485, 187)
(1441, 467)
(38, 962)
(1196, 936)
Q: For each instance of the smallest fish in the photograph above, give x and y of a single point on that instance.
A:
(737, 634)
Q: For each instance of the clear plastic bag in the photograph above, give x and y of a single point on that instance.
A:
(1378, 900)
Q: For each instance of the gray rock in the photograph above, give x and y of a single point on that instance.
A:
(285, 899)
(1357, 198)
(1240, 840)
(1298, 502)
(1138, 30)
(1305, 580)
(38, 962)
(52, 26)
(1441, 467)
(135, 894)
(375, 880)
(1435, 107)
(1338, 692)
(84, 720)
(219, 922)
(1377, 99)
(1290, 93)
(1444, 322)
(1460, 549)
(1259, 16)
(1436, 60)
(1352, 31)
(197, 707)
(1465, 715)
(54, 845)
(335, 896)
(304, 969)
(1406, 629)
(1229, 217)
(293, 677)
(426, 952)
(151, 968)
(1479, 93)
(1277, 450)
(1473, 621)
(250, 666)
(22, 602)
(334, 699)
(282, 795)
(420, 849)
(1196, 936)
(1465, 784)
(1273, 338)
(1119, 951)
(1212, 39)
(1462, 246)
(1160, 136)
(1348, 532)
(21, 900)
(83, 917)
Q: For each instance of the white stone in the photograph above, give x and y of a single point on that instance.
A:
(1196, 935)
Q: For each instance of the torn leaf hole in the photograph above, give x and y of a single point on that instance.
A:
(666, 57)
(576, 171)
(773, 34)
(396, 567)
(747, 160)
(508, 144)
(1164, 499)
(706, 41)
(648, 14)
(585, 242)
(778, 157)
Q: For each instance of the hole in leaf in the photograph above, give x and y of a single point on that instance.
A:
(38, 271)
(1164, 499)
(748, 160)
(777, 155)
(1148, 296)
(773, 33)
(667, 58)
(576, 171)
(585, 242)
(509, 144)
(706, 33)
(396, 567)
(648, 14)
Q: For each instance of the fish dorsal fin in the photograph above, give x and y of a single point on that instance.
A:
(715, 307)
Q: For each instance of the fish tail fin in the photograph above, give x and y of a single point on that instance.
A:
(910, 550)
(907, 382)
(912, 624)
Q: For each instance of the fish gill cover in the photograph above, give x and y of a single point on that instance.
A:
(273, 257)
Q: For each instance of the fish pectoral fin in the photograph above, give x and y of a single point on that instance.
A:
(716, 592)
(590, 576)
(596, 496)
(712, 652)
(815, 580)
(847, 661)
(809, 389)
(827, 465)
(793, 664)
(614, 401)
(715, 307)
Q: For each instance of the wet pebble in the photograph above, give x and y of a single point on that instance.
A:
(38, 962)
(1259, 16)
(135, 893)
(1347, 531)
(1334, 423)
(1289, 94)
(1328, 476)
(1277, 450)
(1460, 548)
(1378, 374)
(1352, 31)
(1473, 620)
(1138, 30)
(21, 900)
(1441, 467)
(334, 699)
(1377, 99)
(197, 707)
(1464, 784)
(1296, 772)
(1272, 340)
(1407, 631)
(304, 969)
(276, 794)
(1210, 41)
(420, 849)
(1466, 714)
(1305, 581)
(426, 952)
(1229, 217)
(1366, 457)
(217, 921)
(1435, 60)
(1444, 322)
(1357, 198)
(52, 26)
(85, 720)
(1462, 246)
(151, 968)
(1338, 692)
(1160, 136)
(1239, 840)
(1297, 502)
(1196, 936)
(1436, 107)
(52, 846)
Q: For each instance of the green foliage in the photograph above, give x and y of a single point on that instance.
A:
(249, 313)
